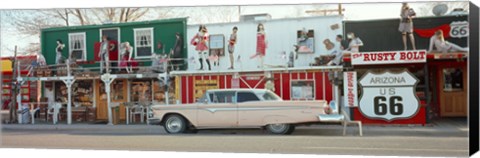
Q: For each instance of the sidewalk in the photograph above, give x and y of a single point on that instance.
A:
(440, 128)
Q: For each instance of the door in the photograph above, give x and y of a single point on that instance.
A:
(249, 114)
(453, 92)
(114, 37)
(220, 110)
(118, 94)
(102, 113)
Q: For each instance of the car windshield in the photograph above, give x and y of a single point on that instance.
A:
(267, 95)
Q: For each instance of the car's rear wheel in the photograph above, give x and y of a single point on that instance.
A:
(280, 128)
(175, 124)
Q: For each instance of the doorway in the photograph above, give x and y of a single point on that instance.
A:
(453, 91)
(118, 94)
(114, 36)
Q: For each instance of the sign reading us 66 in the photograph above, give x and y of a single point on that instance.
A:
(388, 96)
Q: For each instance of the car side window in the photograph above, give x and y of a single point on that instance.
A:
(246, 96)
(204, 97)
(223, 97)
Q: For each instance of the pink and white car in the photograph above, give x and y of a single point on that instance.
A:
(239, 108)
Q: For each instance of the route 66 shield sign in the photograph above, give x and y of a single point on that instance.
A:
(389, 96)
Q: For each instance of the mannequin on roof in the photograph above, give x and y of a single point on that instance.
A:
(199, 41)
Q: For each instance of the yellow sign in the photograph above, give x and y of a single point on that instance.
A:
(177, 88)
(200, 86)
(6, 65)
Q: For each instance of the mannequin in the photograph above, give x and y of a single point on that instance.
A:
(126, 52)
(59, 50)
(231, 45)
(261, 44)
(104, 53)
(200, 42)
(177, 51)
(438, 42)
(406, 25)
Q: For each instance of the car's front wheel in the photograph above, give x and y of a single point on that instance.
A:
(280, 128)
(175, 124)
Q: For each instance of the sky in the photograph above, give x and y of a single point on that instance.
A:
(353, 11)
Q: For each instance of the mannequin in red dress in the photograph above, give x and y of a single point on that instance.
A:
(200, 42)
(261, 44)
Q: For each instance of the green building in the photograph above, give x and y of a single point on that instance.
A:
(144, 38)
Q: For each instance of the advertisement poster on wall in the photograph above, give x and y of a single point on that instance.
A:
(305, 41)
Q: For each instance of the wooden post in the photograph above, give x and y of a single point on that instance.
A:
(340, 9)
(13, 94)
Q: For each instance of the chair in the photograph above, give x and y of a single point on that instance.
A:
(32, 113)
(54, 111)
(137, 109)
(342, 117)
(148, 110)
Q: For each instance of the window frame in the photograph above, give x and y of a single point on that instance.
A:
(84, 47)
(303, 80)
(214, 94)
(237, 96)
(136, 45)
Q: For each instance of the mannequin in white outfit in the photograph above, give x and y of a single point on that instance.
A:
(443, 46)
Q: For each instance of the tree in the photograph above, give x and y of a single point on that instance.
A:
(28, 23)
(119, 14)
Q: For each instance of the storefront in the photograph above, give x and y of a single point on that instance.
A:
(308, 83)
(438, 84)
(406, 91)
(28, 90)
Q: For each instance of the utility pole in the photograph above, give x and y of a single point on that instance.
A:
(340, 10)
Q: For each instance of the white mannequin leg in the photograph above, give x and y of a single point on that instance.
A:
(456, 48)
(260, 57)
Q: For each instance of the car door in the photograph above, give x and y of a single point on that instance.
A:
(250, 112)
(219, 111)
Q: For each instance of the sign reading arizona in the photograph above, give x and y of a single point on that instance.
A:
(388, 96)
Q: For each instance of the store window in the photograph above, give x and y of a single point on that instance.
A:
(118, 90)
(453, 78)
(83, 93)
(160, 89)
(302, 90)
(141, 90)
(143, 42)
(61, 92)
(246, 96)
(77, 46)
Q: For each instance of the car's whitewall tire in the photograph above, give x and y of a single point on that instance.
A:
(175, 124)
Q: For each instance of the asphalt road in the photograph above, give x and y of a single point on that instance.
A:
(303, 141)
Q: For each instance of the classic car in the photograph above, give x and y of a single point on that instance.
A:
(239, 108)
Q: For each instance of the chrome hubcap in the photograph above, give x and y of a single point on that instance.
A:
(174, 124)
(277, 128)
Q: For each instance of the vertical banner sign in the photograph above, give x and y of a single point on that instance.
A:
(389, 96)
(350, 88)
